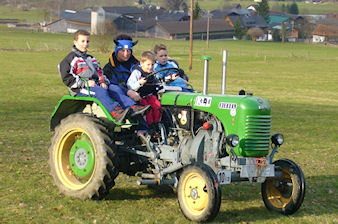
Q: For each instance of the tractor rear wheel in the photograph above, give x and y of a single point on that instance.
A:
(285, 194)
(82, 158)
(199, 194)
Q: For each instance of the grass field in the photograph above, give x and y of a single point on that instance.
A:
(29, 16)
(36, 16)
(304, 8)
(299, 80)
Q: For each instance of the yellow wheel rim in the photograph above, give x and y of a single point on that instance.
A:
(280, 196)
(63, 167)
(195, 193)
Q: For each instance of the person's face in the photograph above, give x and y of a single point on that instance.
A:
(123, 55)
(147, 66)
(162, 56)
(82, 43)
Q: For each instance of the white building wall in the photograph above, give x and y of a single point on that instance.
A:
(318, 39)
(98, 21)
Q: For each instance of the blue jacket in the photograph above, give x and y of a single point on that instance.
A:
(117, 72)
(170, 64)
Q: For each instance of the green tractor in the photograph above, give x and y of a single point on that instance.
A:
(204, 141)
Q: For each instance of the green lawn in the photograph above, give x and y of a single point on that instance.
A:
(299, 80)
(36, 15)
(304, 8)
(28, 16)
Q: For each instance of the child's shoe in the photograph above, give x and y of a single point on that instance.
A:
(119, 114)
(140, 110)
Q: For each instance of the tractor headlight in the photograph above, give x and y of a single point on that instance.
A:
(277, 139)
(232, 140)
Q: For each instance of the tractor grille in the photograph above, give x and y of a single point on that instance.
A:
(257, 132)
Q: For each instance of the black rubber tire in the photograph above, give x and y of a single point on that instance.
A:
(288, 196)
(100, 179)
(199, 193)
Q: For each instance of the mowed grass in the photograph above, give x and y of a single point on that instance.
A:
(304, 8)
(299, 80)
(24, 16)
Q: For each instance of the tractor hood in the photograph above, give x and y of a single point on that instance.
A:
(219, 105)
(245, 115)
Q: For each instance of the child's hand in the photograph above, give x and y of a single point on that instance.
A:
(142, 81)
(174, 76)
(104, 85)
(91, 83)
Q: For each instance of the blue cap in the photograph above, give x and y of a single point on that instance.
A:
(123, 44)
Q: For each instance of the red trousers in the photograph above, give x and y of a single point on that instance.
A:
(155, 113)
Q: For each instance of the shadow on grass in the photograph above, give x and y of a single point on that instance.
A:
(320, 199)
(140, 193)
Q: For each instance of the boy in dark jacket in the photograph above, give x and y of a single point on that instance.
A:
(78, 67)
(146, 87)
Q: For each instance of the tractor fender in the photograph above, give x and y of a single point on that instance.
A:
(72, 104)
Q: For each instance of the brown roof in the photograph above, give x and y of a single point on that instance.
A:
(200, 26)
(326, 30)
(292, 33)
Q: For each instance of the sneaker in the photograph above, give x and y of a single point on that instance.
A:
(140, 110)
(118, 108)
(119, 114)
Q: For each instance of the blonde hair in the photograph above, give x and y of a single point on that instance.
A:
(147, 55)
(159, 47)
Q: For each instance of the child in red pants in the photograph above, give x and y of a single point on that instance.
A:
(145, 87)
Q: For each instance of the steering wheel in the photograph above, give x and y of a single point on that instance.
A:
(179, 71)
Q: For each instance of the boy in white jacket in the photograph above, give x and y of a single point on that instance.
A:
(145, 87)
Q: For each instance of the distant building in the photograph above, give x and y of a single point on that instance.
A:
(292, 35)
(93, 20)
(218, 29)
(325, 33)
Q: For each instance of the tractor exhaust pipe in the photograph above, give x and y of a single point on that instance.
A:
(224, 72)
(206, 71)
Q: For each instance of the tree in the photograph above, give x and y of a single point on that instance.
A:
(197, 11)
(173, 4)
(283, 8)
(263, 10)
(255, 33)
(239, 31)
(293, 9)
(276, 35)
(305, 30)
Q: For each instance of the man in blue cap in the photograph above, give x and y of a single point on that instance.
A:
(118, 70)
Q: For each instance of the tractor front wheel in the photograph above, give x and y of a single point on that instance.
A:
(284, 194)
(82, 158)
(199, 194)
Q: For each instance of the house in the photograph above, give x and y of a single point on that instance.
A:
(218, 29)
(292, 35)
(167, 16)
(131, 12)
(325, 33)
(248, 21)
(93, 20)
(276, 19)
(253, 7)
(70, 22)
(146, 21)
(221, 14)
